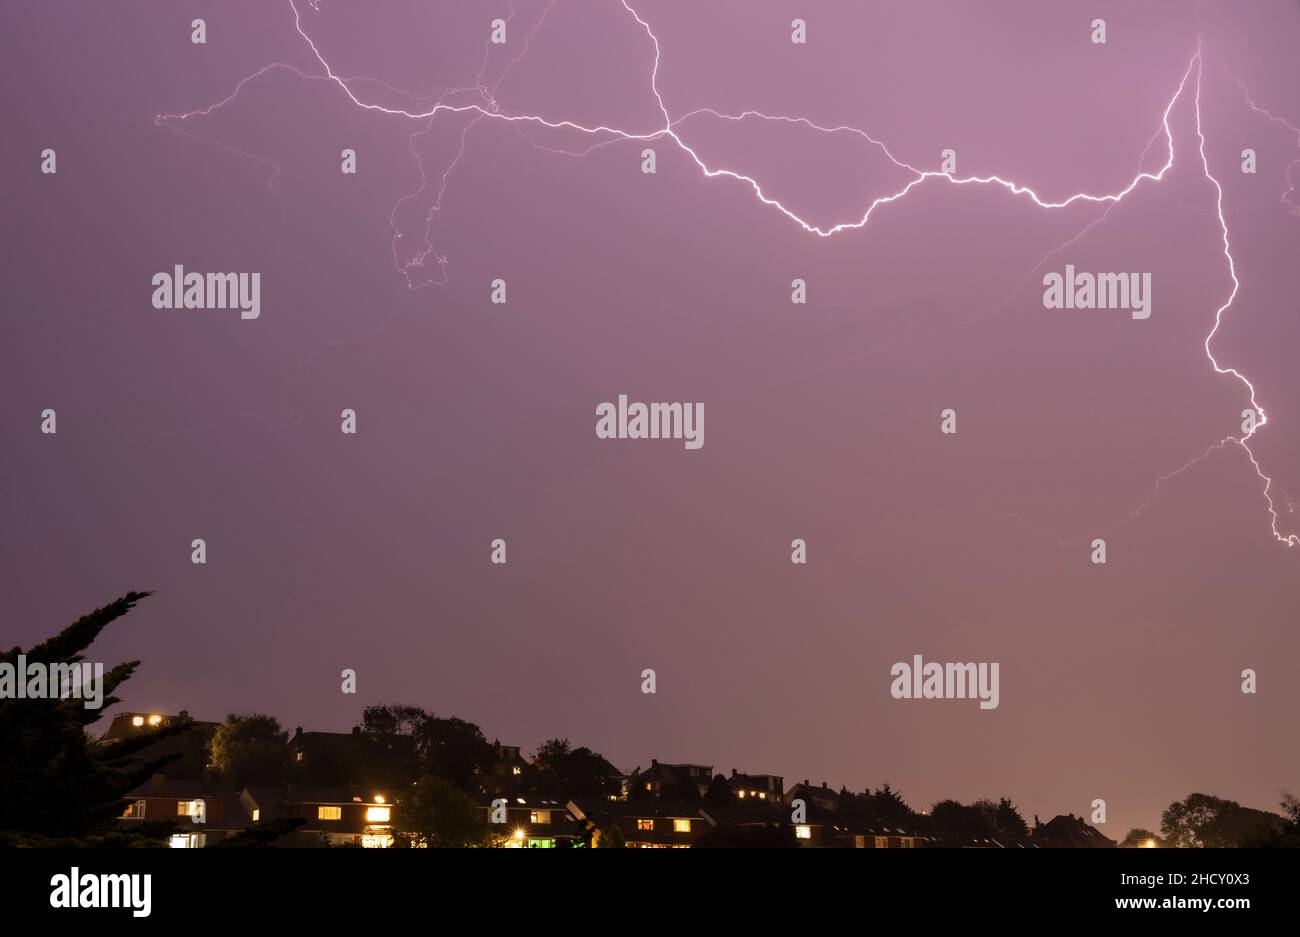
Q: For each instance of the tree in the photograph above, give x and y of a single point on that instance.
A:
(574, 772)
(890, 808)
(385, 751)
(454, 749)
(436, 814)
(250, 749)
(955, 821)
(1286, 835)
(719, 793)
(1008, 824)
(1202, 820)
(679, 792)
(1138, 838)
(262, 834)
(856, 808)
(58, 782)
(609, 837)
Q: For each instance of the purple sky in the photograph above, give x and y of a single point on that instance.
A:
(476, 421)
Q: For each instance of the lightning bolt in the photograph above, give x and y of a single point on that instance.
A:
(486, 107)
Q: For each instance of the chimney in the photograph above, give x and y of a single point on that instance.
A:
(185, 715)
(823, 784)
(654, 762)
(297, 732)
(733, 772)
(805, 782)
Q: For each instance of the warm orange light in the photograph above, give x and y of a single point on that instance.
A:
(519, 834)
(154, 720)
(379, 799)
(1149, 844)
(378, 814)
(137, 721)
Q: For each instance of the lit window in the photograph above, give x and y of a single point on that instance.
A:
(540, 816)
(645, 824)
(376, 841)
(517, 770)
(329, 813)
(882, 842)
(762, 795)
(379, 799)
(297, 756)
(681, 826)
(155, 720)
(135, 810)
(377, 814)
(803, 832)
(257, 814)
(907, 842)
(742, 795)
(137, 720)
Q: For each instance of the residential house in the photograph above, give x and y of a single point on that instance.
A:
(530, 822)
(660, 775)
(206, 812)
(339, 816)
(646, 825)
(761, 787)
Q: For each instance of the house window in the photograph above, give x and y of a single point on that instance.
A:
(882, 842)
(182, 808)
(378, 814)
(257, 814)
(645, 824)
(135, 810)
(681, 826)
(137, 721)
(907, 842)
(803, 832)
(297, 756)
(329, 813)
(540, 816)
(516, 770)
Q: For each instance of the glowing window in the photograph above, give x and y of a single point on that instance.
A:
(645, 824)
(377, 814)
(518, 770)
(882, 842)
(135, 810)
(540, 816)
(137, 720)
(681, 826)
(803, 832)
(329, 813)
(257, 814)
(155, 720)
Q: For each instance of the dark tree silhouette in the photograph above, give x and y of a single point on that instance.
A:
(719, 793)
(435, 814)
(250, 749)
(57, 781)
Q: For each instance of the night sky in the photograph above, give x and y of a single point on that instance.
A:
(476, 421)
